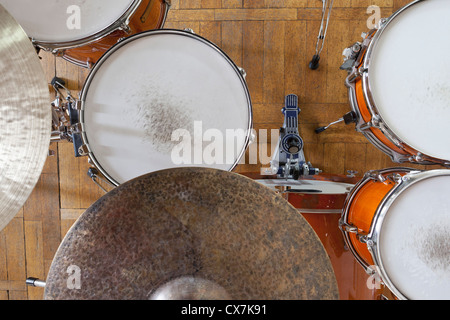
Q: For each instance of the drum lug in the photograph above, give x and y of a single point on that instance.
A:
(189, 30)
(95, 176)
(350, 56)
(125, 27)
(373, 123)
(365, 126)
(381, 23)
(346, 227)
(76, 128)
(353, 76)
(395, 178)
(58, 52)
(242, 72)
(375, 175)
(416, 158)
(363, 238)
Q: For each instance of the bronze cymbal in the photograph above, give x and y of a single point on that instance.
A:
(188, 233)
(25, 117)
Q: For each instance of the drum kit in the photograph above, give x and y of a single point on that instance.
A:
(196, 229)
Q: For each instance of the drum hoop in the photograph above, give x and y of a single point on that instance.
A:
(408, 180)
(113, 26)
(97, 66)
(419, 158)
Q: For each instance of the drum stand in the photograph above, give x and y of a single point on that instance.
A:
(66, 125)
(314, 64)
(289, 160)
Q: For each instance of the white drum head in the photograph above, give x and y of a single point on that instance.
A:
(414, 241)
(163, 99)
(409, 79)
(55, 20)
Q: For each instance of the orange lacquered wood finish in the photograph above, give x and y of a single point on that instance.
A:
(350, 276)
(150, 15)
(362, 211)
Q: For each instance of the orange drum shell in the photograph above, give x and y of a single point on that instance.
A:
(150, 15)
(364, 202)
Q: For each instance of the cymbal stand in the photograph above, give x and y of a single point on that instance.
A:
(326, 5)
(66, 125)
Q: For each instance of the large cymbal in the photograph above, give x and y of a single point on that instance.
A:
(25, 117)
(193, 233)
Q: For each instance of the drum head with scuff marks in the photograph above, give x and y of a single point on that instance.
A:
(414, 240)
(162, 99)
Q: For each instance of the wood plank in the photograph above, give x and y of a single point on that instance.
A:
(12, 285)
(4, 295)
(191, 15)
(205, 4)
(34, 247)
(189, 4)
(68, 218)
(43, 207)
(274, 33)
(285, 3)
(69, 171)
(18, 295)
(355, 157)
(295, 61)
(334, 158)
(254, 4)
(3, 257)
(211, 30)
(232, 40)
(253, 58)
(351, 14)
(232, 3)
(15, 249)
(255, 14)
(339, 37)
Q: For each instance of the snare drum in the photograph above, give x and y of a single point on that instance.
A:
(82, 31)
(399, 85)
(162, 99)
(397, 224)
